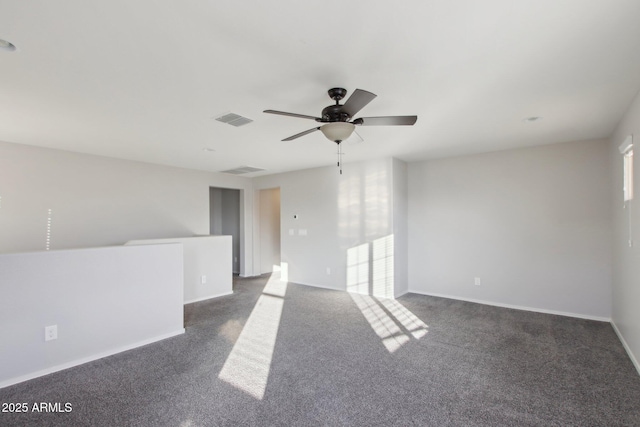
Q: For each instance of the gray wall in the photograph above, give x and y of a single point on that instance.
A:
(99, 201)
(224, 218)
(215, 211)
(231, 223)
(533, 224)
(626, 260)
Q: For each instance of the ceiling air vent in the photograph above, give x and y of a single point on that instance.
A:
(234, 120)
(242, 170)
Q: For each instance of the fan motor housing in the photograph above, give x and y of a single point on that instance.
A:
(334, 113)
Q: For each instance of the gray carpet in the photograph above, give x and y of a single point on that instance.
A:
(476, 366)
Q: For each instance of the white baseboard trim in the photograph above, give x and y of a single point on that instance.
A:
(626, 347)
(316, 286)
(208, 297)
(516, 307)
(71, 364)
(340, 289)
(400, 294)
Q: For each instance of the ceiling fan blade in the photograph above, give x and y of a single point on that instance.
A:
(356, 102)
(283, 113)
(298, 135)
(354, 139)
(386, 121)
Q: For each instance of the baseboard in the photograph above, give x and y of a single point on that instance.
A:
(626, 347)
(316, 286)
(83, 360)
(400, 294)
(208, 297)
(340, 289)
(516, 307)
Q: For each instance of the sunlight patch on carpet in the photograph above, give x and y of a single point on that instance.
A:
(416, 327)
(389, 332)
(247, 367)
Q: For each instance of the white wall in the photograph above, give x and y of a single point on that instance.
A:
(208, 256)
(311, 195)
(533, 224)
(349, 224)
(626, 261)
(103, 300)
(99, 201)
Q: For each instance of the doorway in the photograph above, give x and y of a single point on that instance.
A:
(269, 230)
(224, 219)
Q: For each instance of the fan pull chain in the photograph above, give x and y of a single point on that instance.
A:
(340, 157)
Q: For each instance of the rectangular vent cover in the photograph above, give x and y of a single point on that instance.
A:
(234, 119)
(242, 170)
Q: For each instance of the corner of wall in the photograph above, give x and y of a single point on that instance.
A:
(625, 307)
(400, 214)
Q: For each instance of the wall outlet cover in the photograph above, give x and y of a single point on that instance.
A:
(51, 332)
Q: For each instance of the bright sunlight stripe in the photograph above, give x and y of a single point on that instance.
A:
(392, 336)
(410, 321)
(247, 367)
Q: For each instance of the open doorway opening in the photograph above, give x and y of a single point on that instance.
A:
(269, 230)
(224, 219)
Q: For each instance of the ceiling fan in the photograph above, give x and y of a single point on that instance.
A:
(338, 124)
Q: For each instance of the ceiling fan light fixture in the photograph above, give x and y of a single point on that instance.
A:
(337, 131)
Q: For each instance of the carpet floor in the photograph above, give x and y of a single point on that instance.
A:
(292, 355)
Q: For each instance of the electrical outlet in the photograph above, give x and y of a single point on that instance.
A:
(203, 279)
(51, 332)
(476, 281)
(328, 271)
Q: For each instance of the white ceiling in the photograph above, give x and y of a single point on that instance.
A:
(143, 79)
